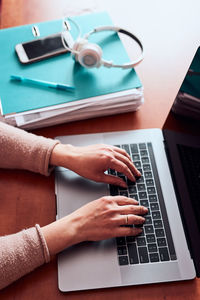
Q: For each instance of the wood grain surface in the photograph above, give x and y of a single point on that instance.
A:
(170, 31)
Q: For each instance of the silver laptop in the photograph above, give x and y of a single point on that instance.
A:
(168, 248)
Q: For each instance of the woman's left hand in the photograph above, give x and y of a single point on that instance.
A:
(92, 162)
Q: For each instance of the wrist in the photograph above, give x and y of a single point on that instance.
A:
(61, 155)
(61, 234)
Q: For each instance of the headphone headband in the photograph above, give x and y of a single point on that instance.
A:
(123, 31)
(87, 60)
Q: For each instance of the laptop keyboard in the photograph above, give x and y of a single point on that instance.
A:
(155, 243)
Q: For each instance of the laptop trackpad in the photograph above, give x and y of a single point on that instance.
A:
(74, 191)
(90, 264)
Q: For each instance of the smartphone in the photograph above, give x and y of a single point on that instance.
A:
(43, 48)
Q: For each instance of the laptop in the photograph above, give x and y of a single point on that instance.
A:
(168, 248)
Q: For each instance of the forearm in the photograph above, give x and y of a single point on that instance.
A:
(21, 253)
(22, 150)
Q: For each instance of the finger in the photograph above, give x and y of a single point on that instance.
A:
(129, 163)
(121, 200)
(122, 168)
(127, 231)
(111, 179)
(132, 209)
(129, 220)
(122, 151)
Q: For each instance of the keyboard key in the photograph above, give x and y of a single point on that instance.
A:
(158, 223)
(141, 241)
(112, 172)
(123, 260)
(113, 190)
(134, 148)
(161, 242)
(149, 182)
(140, 179)
(154, 206)
(146, 167)
(144, 203)
(145, 160)
(143, 153)
(121, 241)
(142, 195)
(132, 252)
(156, 215)
(150, 238)
(130, 239)
(141, 187)
(134, 196)
(148, 220)
(122, 250)
(135, 157)
(143, 255)
(152, 248)
(159, 232)
(142, 146)
(148, 174)
(132, 189)
(153, 198)
(173, 256)
(164, 255)
(151, 190)
(148, 229)
(154, 257)
(137, 164)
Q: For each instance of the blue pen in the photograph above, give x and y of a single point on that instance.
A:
(48, 84)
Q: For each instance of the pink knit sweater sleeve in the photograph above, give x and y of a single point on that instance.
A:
(22, 252)
(22, 150)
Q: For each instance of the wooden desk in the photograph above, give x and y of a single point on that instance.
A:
(170, 32)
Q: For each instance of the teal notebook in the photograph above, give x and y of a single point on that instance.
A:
(17, 97)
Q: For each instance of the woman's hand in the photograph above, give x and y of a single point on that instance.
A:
(100, 219)
(92, 162)
(104, 217)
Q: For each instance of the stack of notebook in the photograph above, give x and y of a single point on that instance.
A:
(98, 92)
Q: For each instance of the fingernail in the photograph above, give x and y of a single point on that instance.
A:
(145, 209)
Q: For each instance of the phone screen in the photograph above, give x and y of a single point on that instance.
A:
(46, 46)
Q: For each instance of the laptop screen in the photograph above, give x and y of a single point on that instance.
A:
(187, 102)
(184, 154)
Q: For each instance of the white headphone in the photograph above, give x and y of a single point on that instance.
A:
(89, 55)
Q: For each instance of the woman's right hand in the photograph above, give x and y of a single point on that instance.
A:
(97, 220)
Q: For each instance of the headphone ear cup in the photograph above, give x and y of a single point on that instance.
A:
(78, 44)
(87, 54)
